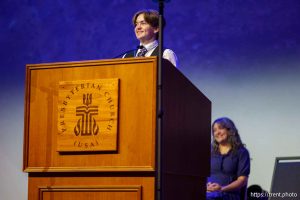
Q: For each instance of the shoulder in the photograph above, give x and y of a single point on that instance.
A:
(171, 56)
(243, 155)
(243, 150)
(129, 54)
(169, 52)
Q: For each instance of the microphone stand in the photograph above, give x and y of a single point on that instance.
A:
(159, 109)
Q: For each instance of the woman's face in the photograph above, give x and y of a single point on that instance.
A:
(220, 134)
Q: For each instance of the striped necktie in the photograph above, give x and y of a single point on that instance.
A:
(142, 51)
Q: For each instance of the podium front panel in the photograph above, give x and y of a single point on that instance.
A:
(135, 146)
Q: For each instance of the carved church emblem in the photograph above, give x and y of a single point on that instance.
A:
(88, 115)
(86, 124)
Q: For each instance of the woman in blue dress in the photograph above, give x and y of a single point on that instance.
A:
(230, 162)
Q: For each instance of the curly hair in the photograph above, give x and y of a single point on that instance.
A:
(233, 137)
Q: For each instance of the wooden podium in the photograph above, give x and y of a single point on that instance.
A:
(91, 132)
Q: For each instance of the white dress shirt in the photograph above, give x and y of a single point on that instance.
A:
(167, 54)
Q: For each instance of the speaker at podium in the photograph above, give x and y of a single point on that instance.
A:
(91, 132)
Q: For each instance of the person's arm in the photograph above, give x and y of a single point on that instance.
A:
(235, 185)
(240, 182)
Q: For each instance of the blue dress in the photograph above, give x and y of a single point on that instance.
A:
(226, 169)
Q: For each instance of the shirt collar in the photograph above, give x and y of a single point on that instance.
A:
(151, 45)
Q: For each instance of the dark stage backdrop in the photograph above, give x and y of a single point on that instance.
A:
(244, 55)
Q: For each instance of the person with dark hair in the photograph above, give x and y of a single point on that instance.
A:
(230, 162)
(255, 192)
(146, 28)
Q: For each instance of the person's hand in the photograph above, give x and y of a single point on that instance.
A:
(208, 186)
(211, 187)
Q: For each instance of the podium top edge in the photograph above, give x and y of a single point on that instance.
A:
(92, 62)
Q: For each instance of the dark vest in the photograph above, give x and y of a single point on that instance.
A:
(132, 53)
